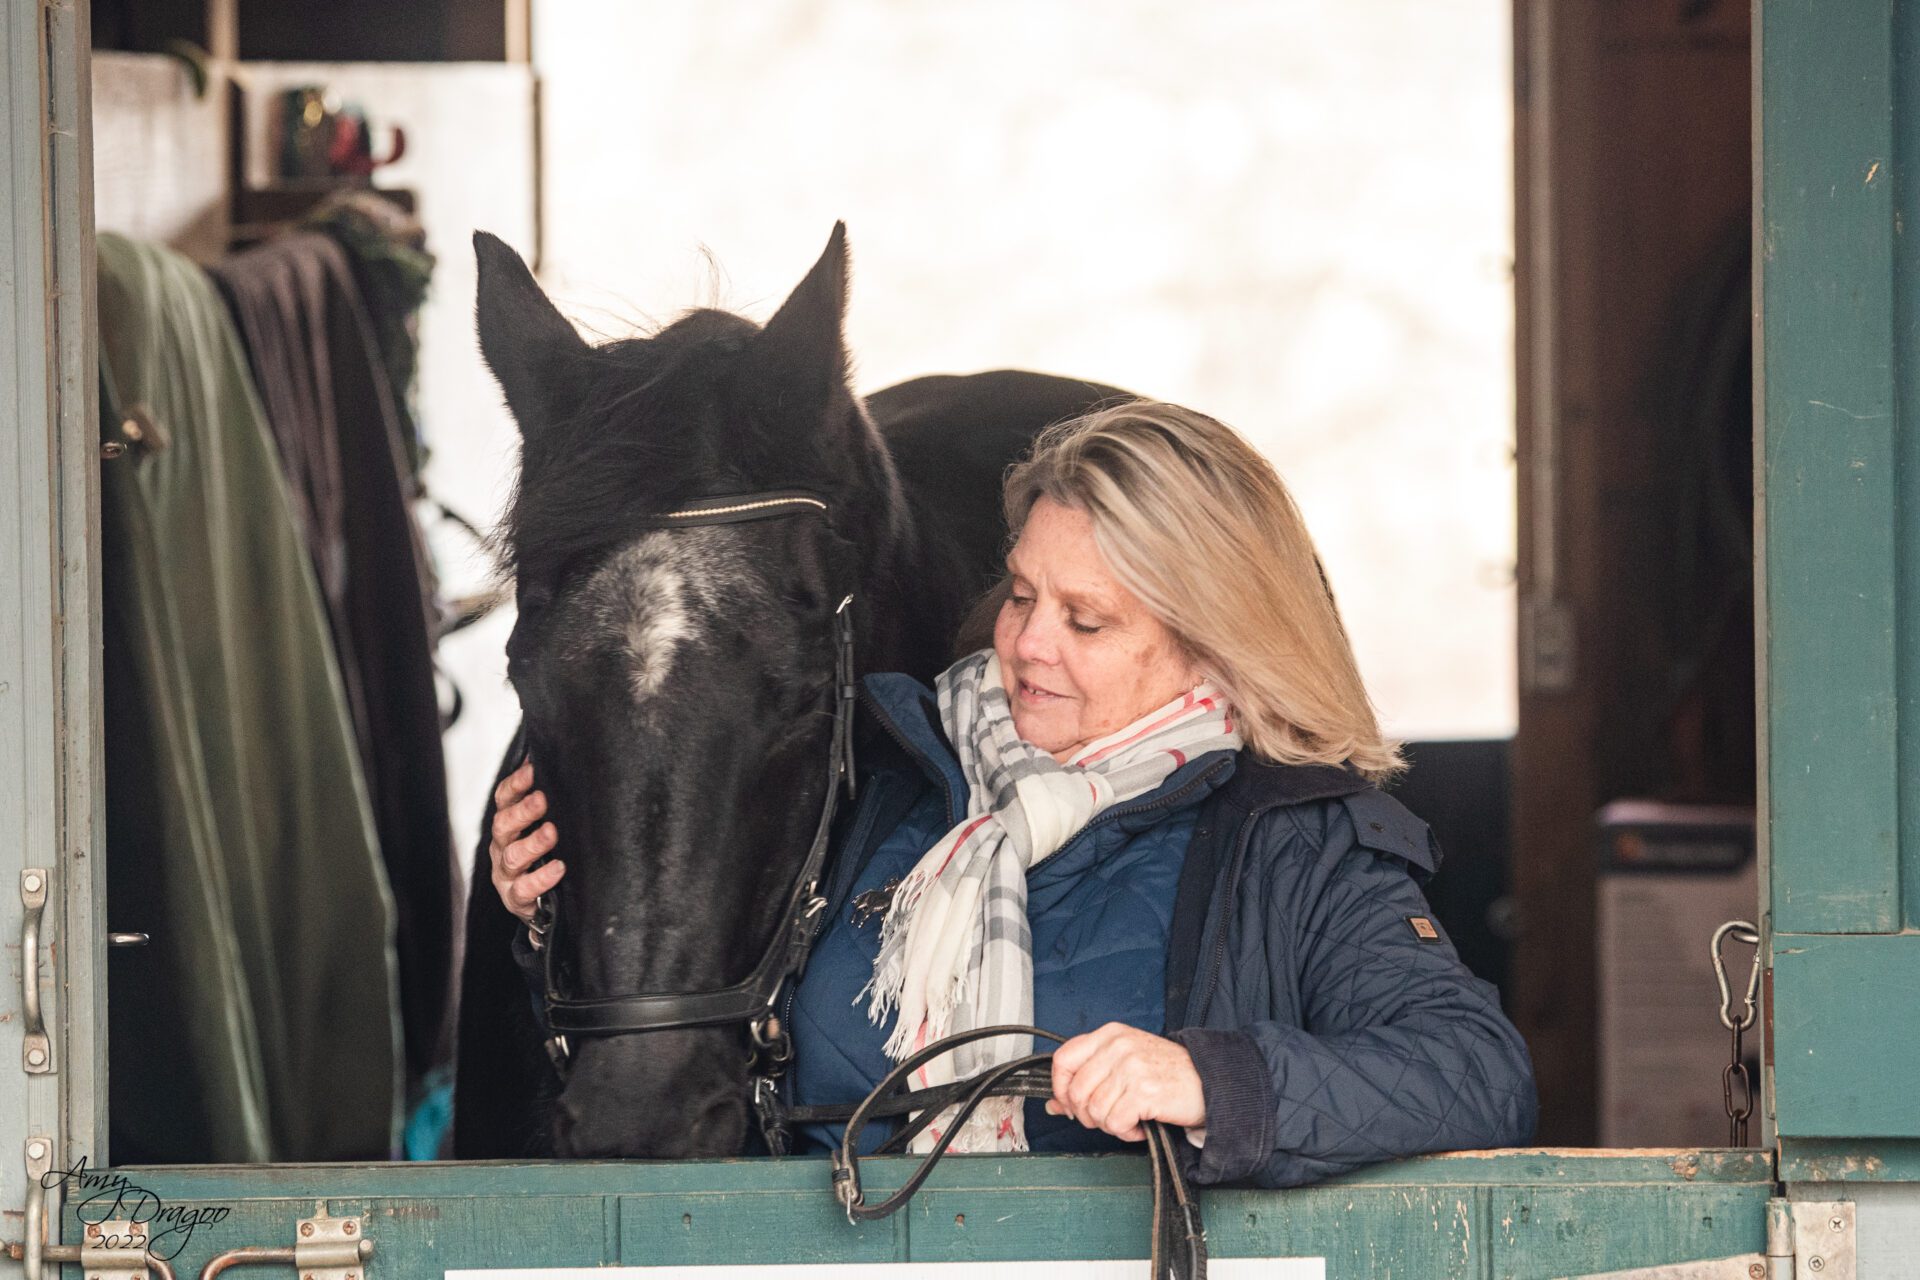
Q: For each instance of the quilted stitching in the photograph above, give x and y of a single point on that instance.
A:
(1377, 1044)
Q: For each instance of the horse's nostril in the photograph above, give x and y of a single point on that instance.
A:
(720, 1128)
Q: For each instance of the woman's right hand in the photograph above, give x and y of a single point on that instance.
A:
(513, 848)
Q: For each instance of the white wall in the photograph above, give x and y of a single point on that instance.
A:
(160, 152)
(1293, 216)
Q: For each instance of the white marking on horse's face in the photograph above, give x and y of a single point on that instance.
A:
(651, 598)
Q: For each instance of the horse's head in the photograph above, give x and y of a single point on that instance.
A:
(676, 683)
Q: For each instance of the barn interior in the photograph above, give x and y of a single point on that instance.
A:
(1476, 280)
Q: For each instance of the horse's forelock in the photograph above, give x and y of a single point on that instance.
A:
(658, 421)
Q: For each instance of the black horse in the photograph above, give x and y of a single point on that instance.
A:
(676, 685)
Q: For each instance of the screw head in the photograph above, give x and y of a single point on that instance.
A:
(1816, 1263)
(306, 1228)
(31, 882)
(36, 1149)
(1756, 1270)
(1837, 1223)
(36, 1056)
(93, 1232)
(348, 1226)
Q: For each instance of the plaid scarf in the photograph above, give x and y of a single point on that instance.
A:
(955, 949)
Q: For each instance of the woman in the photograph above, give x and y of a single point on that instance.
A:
(1145, 817)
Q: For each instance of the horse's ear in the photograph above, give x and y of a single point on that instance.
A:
(526, 341)
(800, 356)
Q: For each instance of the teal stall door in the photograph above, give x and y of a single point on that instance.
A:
(1838, 200)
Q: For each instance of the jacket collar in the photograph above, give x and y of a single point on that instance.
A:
(1257, 786)
(910, 715)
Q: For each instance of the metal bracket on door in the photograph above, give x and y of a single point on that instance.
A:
(113, 1250)
(36, 1050)
(1806, 1240)
(116, 1251)
(324, 1248)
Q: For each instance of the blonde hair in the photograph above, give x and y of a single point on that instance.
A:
(1199, 526)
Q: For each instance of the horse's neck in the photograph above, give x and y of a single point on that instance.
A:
(913, 586)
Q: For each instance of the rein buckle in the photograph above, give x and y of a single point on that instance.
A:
(560, 1053)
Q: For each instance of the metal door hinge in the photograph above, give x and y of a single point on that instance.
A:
(324, 1248)
(1821, 1235)
(1806, 1240)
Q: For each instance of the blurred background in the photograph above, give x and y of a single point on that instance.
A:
(1471, 274)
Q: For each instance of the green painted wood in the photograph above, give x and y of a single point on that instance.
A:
(1849, 1160)
(1906, 112)
(1839, 292)
(1519, 1214)
(1568, 1231)
(1831, 416)
(1846, 1056)
(776, 1225)
(1558, 1166)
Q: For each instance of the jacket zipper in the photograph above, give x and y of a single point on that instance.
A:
(856, 836)
(919, 756)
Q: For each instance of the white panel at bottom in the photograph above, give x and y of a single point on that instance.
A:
(1126, 1269)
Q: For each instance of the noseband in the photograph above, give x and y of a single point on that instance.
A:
(750, 1001)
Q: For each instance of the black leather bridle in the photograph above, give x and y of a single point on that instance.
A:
(749, 1001)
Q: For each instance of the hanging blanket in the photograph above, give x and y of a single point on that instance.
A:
(261, 1022)
(330, 409)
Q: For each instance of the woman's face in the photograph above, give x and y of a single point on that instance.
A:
(1080, 654)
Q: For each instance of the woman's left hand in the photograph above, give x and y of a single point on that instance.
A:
(1117, 1077)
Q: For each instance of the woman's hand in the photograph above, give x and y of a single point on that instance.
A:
(512, 850)
(1118, 1077)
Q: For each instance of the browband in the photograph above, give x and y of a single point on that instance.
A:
(739, 508)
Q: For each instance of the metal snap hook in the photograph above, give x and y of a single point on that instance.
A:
(1743, 931)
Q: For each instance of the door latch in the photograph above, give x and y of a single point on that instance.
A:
(324, 1248)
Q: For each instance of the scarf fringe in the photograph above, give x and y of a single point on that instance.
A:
(888, 981)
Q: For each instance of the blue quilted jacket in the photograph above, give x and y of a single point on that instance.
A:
(1329, 1018)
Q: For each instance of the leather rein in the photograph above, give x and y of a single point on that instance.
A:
(1179, 1241)
(1179, 1249)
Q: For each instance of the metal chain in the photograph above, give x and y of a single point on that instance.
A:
(1735, 1080)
